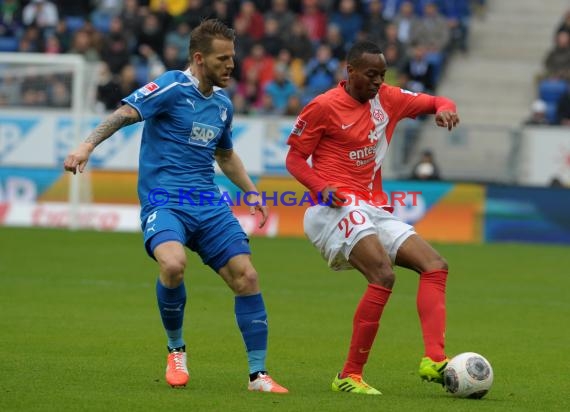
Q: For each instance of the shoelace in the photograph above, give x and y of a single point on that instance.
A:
(179, 361)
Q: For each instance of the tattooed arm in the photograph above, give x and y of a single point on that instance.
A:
(123, 116)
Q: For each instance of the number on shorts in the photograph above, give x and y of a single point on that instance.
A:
(355, 218)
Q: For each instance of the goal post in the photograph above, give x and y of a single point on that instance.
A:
(32, 84)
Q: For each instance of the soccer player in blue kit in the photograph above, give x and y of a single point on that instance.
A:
(188, 121)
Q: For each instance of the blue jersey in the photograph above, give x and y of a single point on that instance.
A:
(182, 130)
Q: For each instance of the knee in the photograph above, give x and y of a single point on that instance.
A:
(438, 263)
(246, 282)
(383, 276)
(172, 270)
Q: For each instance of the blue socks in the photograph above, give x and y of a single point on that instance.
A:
(171, 303)
(252, 321)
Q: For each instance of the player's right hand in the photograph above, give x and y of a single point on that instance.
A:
(329, 193)
(77, 159)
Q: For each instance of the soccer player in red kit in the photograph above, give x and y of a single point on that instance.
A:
(347, 131)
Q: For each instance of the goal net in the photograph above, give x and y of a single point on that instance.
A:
(43, 102)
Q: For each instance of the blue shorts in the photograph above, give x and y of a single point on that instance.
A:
(211, 231)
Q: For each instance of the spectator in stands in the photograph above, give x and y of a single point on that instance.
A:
(537, 114)
(298, 41)
(314, 20)
(240, 104)
(335, 41)
(196, 11)
(82, 44)
(295, 67)
(172, 7)
(280, 89)
(42, 14)
(395, 63)
(271, 40)
(259, 62)
(458, 15)
(565, 24)
(320, 71)
(250, 88)
(52, 45)
(285, 17)
(404, 21)
(152, 62)
(391, 9)
(115, 50)
(10, 18)
(252, 18)
(172, 60)
(349, 21)
(59, 94)
(128, 80)
(294, 106)
(152, 33)
(131, 15)
(431, 30)
(391, 35)
(31, 41)
(10, 90)
(374, 24)
(426, 168)
(64, 35)
(178, 38)
(557, 62)
(223, 11)
(419, 72)
(563, 110)
(108, 92)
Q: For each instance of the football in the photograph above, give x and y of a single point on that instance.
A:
(468, 375)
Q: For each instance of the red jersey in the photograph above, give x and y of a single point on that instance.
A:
(348, 139)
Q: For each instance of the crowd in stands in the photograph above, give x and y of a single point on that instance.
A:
(552, 106)
(287, 51)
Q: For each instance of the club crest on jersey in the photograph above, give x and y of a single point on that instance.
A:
(202, 134)
(223, 113)
(149, 88)
(299, 126)
(378, 114)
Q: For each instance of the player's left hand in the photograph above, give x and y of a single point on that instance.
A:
(258, 205)
(447, 119)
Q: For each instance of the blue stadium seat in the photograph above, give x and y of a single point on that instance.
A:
(551, 90)
(8, 44)
(74, 23)
(101, 22)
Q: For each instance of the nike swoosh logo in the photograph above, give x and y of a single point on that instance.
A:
(363, 350)
(346, 126)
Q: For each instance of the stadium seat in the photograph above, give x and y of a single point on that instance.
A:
(8, 44)
(74, 23)
(101, 22)
(551, 90)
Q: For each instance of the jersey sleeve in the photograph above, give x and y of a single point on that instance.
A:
(225, 141)
(309, 128)
(404, 103)
(153, 98)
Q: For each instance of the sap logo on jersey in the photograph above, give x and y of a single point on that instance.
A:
(202, 133)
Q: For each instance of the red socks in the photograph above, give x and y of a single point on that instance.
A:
(364, 327)
(431, 308)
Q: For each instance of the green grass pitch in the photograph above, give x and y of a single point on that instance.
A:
(79, 329)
